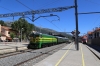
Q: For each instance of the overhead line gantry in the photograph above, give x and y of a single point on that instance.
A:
(33, 12)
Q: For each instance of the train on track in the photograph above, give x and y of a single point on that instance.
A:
(39, 40)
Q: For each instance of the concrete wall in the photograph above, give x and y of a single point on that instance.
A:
(96, 41)
(3, 38)
(89, 41)
(7, 33)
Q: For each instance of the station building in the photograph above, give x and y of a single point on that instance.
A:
(94, 36)
(5, 33)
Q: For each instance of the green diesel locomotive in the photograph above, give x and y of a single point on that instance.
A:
(38, 40)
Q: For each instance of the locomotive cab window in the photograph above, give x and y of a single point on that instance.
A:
(37, 35)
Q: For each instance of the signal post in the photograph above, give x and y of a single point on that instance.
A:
(76, 38)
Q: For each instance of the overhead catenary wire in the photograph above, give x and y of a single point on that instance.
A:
(92, 12)
(8, 10)
(38, 14)
(52, 23)
(23, 4)
(50, 3)
(93, 2)
(96, 21)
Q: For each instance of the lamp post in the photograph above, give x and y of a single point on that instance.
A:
(21, 34)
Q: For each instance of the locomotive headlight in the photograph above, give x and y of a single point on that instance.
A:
(37, 39)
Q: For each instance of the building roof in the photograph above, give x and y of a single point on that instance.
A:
(6, 28)
(90, 32)
(84, 37)
(98, 29)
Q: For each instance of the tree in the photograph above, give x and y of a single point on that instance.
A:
(12, 35)
(22, 23)
(3, 23)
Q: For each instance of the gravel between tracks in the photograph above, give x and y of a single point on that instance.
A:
(13, 60)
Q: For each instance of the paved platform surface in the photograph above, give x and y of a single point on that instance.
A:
(6, 47)
(69, 56)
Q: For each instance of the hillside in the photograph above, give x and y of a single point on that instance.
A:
(47, 31)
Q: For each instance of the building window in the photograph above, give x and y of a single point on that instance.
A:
(95, 35)
(8, 32)
(90, 36)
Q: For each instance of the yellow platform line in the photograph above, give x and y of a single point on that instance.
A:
(63, 56)
(83, 62)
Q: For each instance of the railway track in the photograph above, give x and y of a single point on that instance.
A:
(42, 53)
(14, 53)
(28, 57)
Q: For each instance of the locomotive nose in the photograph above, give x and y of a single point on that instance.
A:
(36, 39)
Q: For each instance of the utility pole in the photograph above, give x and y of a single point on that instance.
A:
(76, 36)
(21, 34)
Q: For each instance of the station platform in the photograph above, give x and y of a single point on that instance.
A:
(6, 47)
(69, 56)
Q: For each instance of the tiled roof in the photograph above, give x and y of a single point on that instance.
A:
(6, 28)
(98, 29)
(90, 32)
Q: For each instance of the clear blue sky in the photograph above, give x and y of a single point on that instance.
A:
(67, 18)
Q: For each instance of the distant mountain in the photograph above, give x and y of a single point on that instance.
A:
(46, 31)
(53, 32)
(8, 23)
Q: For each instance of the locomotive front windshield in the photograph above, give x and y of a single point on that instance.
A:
(34, 38)
(34, 35)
